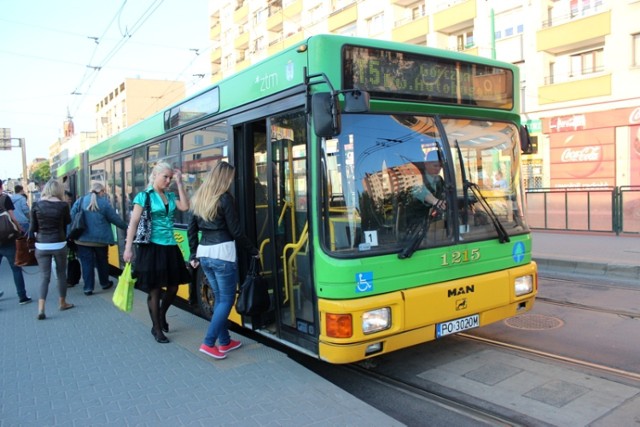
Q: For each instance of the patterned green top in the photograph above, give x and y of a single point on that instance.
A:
(161, 217)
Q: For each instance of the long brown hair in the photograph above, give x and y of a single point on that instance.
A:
(204, 202)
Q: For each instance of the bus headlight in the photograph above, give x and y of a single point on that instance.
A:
(523, 285)
(376, 320)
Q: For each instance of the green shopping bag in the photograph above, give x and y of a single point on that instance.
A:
(123, 295)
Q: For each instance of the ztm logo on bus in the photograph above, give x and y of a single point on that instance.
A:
(364, 282)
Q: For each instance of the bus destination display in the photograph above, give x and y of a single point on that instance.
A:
(389, 74)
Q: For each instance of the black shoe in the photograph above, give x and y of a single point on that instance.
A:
(25, 300)
(88, 293)
(41, 316)
(108, 286)
(159, 337)
(165, 326)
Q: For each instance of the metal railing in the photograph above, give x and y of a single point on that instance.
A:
(604, 209)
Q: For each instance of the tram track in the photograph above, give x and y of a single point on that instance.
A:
(619, 373)
(471, 412)
(623, 313)
(629, 292)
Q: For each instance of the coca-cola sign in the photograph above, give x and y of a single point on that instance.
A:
(634, 117)
(584, 154)
(567, 123)
(582, 158)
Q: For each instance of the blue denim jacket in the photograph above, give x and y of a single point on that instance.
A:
(99, 222)
(21, 208)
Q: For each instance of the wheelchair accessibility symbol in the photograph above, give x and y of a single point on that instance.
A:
(364, 282)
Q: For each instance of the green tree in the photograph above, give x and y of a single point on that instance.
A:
(41, 173)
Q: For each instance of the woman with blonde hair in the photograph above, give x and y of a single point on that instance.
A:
(93, 243)
(214, 214)
(159, 264)
(49, 220)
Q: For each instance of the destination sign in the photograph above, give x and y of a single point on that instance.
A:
(388, 74)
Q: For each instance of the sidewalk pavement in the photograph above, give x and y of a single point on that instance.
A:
(597, 256)
(95, 365)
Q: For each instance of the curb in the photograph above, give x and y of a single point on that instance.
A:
(628, 274)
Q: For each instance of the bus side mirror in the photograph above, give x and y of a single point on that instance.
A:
(525, 140)
(356, 101)
(326, 114)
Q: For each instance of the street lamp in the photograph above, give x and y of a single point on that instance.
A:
(5, 144)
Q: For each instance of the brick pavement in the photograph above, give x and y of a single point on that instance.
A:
(94, 365)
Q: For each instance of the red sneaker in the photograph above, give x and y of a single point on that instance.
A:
(231, 346)
(212, 351)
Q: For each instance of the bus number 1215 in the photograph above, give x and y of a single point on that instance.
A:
(459, 257)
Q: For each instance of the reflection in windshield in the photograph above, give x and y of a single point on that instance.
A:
(392, 178)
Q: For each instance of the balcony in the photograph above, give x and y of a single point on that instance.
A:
(585, 88)
(240, 15)
(455, 17)
(294, 9)
(574, 34)
(292, 39)
(282, 43)
(342, 17)
(214, 33)
(471, 50)
(403, 3)
(242, 41)
(275, 20)
(417, 29)
(216, 56)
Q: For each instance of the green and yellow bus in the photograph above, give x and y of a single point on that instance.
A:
(329, 139)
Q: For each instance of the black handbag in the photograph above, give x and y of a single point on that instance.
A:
(78, 224)
(253, 298)
(73, 269)
(143, 232)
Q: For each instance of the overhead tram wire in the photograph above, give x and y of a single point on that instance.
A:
(119, 45)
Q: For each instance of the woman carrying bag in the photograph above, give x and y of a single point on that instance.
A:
(159, 263)
(93, 243)
(215, 215)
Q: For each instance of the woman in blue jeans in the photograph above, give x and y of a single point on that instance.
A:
(94, 242)
(215, 215)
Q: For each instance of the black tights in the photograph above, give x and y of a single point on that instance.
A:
(158, 311)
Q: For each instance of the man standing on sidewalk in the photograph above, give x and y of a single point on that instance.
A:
(21, 207)
(8, 250)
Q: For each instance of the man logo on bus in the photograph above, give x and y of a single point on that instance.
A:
(461, 304)
(462, 290)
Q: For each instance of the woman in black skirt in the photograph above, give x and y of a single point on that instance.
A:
(160, 263)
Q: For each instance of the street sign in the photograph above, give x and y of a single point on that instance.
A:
(5, 138)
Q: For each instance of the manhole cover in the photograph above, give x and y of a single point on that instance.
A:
(534, 322)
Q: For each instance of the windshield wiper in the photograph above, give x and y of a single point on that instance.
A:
(466, 185)
(502, 233)
(416, 235)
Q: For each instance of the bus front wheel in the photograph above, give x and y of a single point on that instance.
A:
(205, 295)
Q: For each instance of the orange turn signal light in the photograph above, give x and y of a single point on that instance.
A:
(339, 325)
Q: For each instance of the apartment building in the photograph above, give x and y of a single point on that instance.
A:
(579, 64)
(133, 100)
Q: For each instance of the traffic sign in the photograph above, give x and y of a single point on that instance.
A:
(5, 138)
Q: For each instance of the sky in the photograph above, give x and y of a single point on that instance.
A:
(59, 58)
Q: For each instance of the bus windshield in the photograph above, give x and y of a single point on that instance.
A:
(393, 180)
